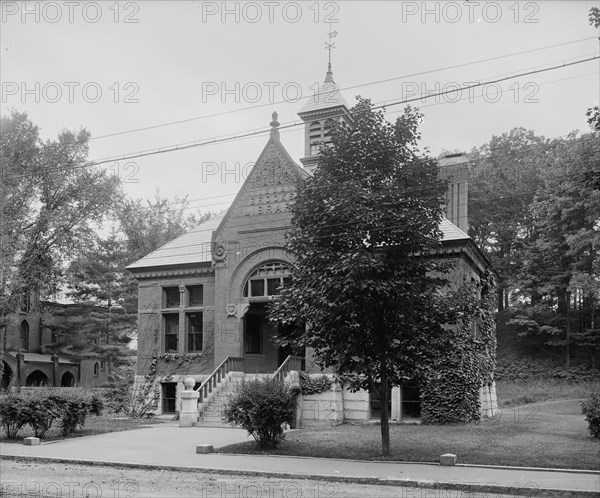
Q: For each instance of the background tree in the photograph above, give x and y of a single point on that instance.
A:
(52, 203)
(358, 224)
(506, 173)
(559, 278)
(97, 281)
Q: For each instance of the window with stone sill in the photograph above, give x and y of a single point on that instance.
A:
(171, 331)
(171, 297)
(195, 295)
(194, 332)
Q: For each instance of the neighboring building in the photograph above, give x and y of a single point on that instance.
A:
(202, 296)
(30, 357)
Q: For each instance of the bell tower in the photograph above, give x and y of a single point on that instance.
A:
(325, 107)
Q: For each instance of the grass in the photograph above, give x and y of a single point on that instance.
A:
(512, 392)
(93, 425)
(549, 434)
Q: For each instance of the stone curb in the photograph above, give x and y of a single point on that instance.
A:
(425, 484)
(403, 462)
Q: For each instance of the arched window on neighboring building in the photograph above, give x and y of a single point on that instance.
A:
(37, 378)
(24, 332)
(96, 369)
(67, 380)
(266, 280)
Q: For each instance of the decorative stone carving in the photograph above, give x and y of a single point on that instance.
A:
(231, 309)
(219, 253)
(273, 170)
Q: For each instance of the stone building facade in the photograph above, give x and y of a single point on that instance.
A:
(29, 352)
(202, 296)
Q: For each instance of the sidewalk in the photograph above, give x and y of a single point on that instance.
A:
(168, 446)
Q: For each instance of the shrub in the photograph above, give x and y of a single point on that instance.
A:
(315, 385)
(40, 410)
(262, 407)
(591, 409)
(12, 412)
(76, 406)
(40, 407)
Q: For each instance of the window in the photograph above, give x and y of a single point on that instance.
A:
(171, 297)
(267, 280)
(171, 327)
(476, 328)
(195, 295)
(24, 333)
(194, 331)
(96, 369)
(253, 334)
(25, 304)
(103, 366)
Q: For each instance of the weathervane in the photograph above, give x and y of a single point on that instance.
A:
(330, 44)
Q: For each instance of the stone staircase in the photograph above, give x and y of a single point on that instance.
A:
(211, 409)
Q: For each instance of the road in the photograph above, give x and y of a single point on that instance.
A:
(28, 478)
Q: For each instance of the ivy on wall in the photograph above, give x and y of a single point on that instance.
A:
(461, 362)
(160, 367)
(314, 385)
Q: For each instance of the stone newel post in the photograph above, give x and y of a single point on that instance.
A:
(189, 404)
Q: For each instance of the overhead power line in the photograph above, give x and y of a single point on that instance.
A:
(387, 80)
(294, 124)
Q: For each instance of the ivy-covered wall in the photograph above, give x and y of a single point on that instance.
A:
(464, 359)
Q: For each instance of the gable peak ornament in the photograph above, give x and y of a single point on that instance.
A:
(274, 127)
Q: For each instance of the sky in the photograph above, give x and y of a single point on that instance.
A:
(149, 75)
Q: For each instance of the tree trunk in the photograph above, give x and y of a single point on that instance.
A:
(384, 417)
(568, 339)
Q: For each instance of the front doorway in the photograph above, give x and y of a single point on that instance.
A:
(261, 355)
(375, 401)
(411, 401)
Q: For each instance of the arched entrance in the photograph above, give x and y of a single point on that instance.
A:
(7, 375)
(37, 378)
(67, 380)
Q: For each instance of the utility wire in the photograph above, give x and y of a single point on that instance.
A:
(455, 66)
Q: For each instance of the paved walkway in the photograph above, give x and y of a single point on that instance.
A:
(169, 446)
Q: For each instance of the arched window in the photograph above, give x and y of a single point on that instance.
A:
(96, 369)
(267, 280)
(24, 332)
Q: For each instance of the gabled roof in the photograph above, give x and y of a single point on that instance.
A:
(451, 232)
(190, 248)
(327, 96)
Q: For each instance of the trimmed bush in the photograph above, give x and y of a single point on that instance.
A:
(262, 407)
(40, 407)
(591, 409)
(12, 412)
(77, 405)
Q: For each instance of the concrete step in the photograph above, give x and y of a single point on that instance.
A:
(216, 424)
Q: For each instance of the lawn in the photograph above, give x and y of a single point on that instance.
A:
(93, 425)
(551, 434)
(513, 392)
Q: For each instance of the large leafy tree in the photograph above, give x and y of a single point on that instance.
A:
(361, 227)
(506, 174)
(52, 203)
(559, 278)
